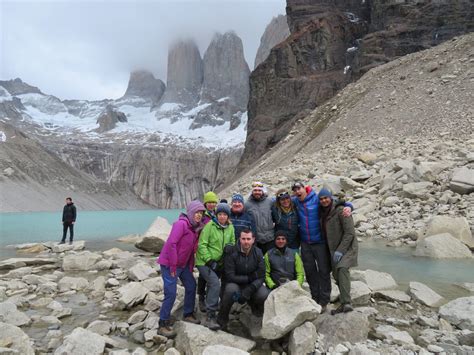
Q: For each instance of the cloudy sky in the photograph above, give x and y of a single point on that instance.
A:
(86, 49)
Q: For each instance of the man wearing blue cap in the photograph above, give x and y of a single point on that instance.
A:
(338, 229)
(239, 217)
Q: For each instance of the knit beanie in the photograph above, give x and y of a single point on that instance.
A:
(223, 207)
(237, 197)
(210, 196)
(324, 192)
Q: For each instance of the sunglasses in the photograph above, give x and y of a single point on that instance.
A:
(283, 195)
(257, 184)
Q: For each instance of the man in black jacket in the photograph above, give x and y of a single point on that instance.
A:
(69, 218)
(244, 269)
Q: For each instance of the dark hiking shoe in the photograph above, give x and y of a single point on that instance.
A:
(191, 319)
(347, 308)
(339, 309)
(62, 242)
(202, 304)
(165, 329)
(70, 242)
(222, 323)
(211, 322)
(324, 308)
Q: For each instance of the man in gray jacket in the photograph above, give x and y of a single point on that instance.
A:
(260, 208)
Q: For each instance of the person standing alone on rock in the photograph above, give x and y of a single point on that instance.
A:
(260, 208)
(339, 232)
(69, 218)
(177, 261)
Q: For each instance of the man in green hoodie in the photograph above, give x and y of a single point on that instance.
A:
(218, 233)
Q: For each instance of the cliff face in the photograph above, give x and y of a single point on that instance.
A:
(185, 73)
(143, 84)
(332, 43)
(275, 32)
(226, 73)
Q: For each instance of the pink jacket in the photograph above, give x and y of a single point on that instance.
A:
(180, 247)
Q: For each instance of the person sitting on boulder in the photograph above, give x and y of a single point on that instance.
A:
(338, 229)
(282, 264)
(209, 258)
(176, 260)
(244, 272)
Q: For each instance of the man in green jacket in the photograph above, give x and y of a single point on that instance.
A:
(218, 233)
(282, 264)
(339, 232)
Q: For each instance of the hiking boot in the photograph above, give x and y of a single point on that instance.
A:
(324, 308)
(70, 242)
(202, 304)
(62, 242)
(339, 309)
(211, 322)
(165, 329)
(347, 308)
(222, 323)
(191, 319)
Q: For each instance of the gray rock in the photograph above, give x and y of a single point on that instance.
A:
(459, 312)
(286, 308)
(14, 263)
(141, 271)
(360, 293)
(192, 339)
(462, 181)
(442, 246)
(422, 293)
(109, 118)
(81, 261)
(341, 328)
(16, 339)
(362, 349)
(393, 295)
(100, 327)
(417, 189)
(137, 317)
(458, 227)
(375, 280)
(131, 294)
(172, 351)
(61, 248)
(72, 283)
(223, 349)
(275, 32)
(303, 339)
(82, 342)
(9, 314)
(143, 84)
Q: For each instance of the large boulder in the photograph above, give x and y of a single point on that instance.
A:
(72, 283)
(15, 339)
(131, 294)
(82, 342)
(417, 189)
(286, 308)
(155, 237)
(303, 339)
(141, 271)
(458, 227)
(422, 293)
(14, 263)
(61, 248)
(81, 261)
(442, 246)
(375, 280)
(459, 312)
(360, 293)
(9, 314)
(352, 327)
(462, 181)
(192, 339)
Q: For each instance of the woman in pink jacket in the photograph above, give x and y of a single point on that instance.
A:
(177, 261)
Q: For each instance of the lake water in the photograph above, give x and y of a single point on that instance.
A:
(101, 229)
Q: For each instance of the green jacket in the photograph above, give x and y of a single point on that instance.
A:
(212, 241)
(277, 265)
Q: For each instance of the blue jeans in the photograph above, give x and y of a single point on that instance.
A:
(169, 284)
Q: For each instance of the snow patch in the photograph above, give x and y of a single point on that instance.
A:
(4, 95)
(169, 106)
(351, 49)
(3, 137)
(346, 69)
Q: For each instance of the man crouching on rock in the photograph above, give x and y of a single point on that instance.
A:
(339, 232)
(244, 272)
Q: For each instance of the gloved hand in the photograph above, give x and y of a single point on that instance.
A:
(253, 276)
(236, 296)
(247, 293)
(337, 256)
(212, 264)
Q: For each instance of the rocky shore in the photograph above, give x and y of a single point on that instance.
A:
(68, 300)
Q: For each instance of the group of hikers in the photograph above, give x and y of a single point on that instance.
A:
(246, 250)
